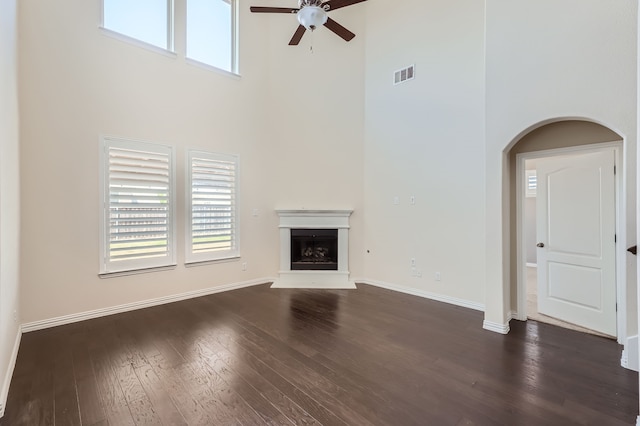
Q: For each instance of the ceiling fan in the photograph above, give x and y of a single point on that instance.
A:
(311, 14)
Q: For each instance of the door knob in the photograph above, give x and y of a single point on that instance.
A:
(540, 245)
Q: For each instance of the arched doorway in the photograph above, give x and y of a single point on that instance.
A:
(555, 139)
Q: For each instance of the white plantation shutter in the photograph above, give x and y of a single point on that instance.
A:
(213, 207)
(138, 206)
(531, 183)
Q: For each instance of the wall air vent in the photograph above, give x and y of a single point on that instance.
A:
(405, 74)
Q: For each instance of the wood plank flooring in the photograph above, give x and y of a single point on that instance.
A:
(260, 356)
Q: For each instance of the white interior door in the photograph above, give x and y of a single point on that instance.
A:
(576, 239)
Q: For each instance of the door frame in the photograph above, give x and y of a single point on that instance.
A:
(620, 216)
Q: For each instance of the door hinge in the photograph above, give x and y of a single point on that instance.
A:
(614, 170)
(615, 238)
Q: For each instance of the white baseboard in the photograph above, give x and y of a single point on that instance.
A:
(68, 319)
(496, 327)
(4, 391)
(421, 293)
(624, 359)
(629, 358)
(516, 316)
(638, 421)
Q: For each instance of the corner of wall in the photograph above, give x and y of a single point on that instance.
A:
(496, 327)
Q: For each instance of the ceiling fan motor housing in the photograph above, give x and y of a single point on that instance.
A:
(312, 14)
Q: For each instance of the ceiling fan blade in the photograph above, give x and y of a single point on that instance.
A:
(297, 36)
(259, 9)
(339, 30)
(337, 4)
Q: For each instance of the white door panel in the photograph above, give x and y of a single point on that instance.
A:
(576, 228)
(576, 285)
(573, 210)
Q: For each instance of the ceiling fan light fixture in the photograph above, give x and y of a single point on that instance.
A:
(312, 17)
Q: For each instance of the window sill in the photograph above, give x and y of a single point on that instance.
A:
(135, 271)
(212, 68)
(195, 263)
(138, 43)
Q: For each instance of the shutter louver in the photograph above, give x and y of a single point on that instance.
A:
(138, 211)
(213, 206)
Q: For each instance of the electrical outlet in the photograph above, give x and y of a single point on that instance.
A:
(412, 200)
(438, 276)
(255, 212)
(419, 273)
(414, 272)
(413, 261)
(244, 266)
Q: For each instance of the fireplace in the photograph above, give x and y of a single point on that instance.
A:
(314, 249)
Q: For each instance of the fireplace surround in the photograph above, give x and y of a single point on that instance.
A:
(314, 249)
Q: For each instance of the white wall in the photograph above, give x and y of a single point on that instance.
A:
(299, 124)
(425, 138)
(317, 119)
(9, 194)
(548, 60)
(77, 83)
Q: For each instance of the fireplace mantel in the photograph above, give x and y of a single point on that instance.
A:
(314, 219)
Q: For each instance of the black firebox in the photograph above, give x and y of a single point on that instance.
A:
(314, 249)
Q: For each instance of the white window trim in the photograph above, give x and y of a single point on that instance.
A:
(138, 265)
(168, 51)
(235, 34)
(138, 43)
(211, 68)
(195, 259)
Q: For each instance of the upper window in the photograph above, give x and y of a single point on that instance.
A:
(211, 33)
(150, 21)
(138, 206)
(210, 27)
(212, 207)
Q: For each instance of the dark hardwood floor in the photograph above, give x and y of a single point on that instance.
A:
(366, 357)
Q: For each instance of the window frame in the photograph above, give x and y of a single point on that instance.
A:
(234, 41)
(170, 24)
(190, 257)
(131, 266)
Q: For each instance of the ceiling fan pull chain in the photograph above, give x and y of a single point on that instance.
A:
(311, 44)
